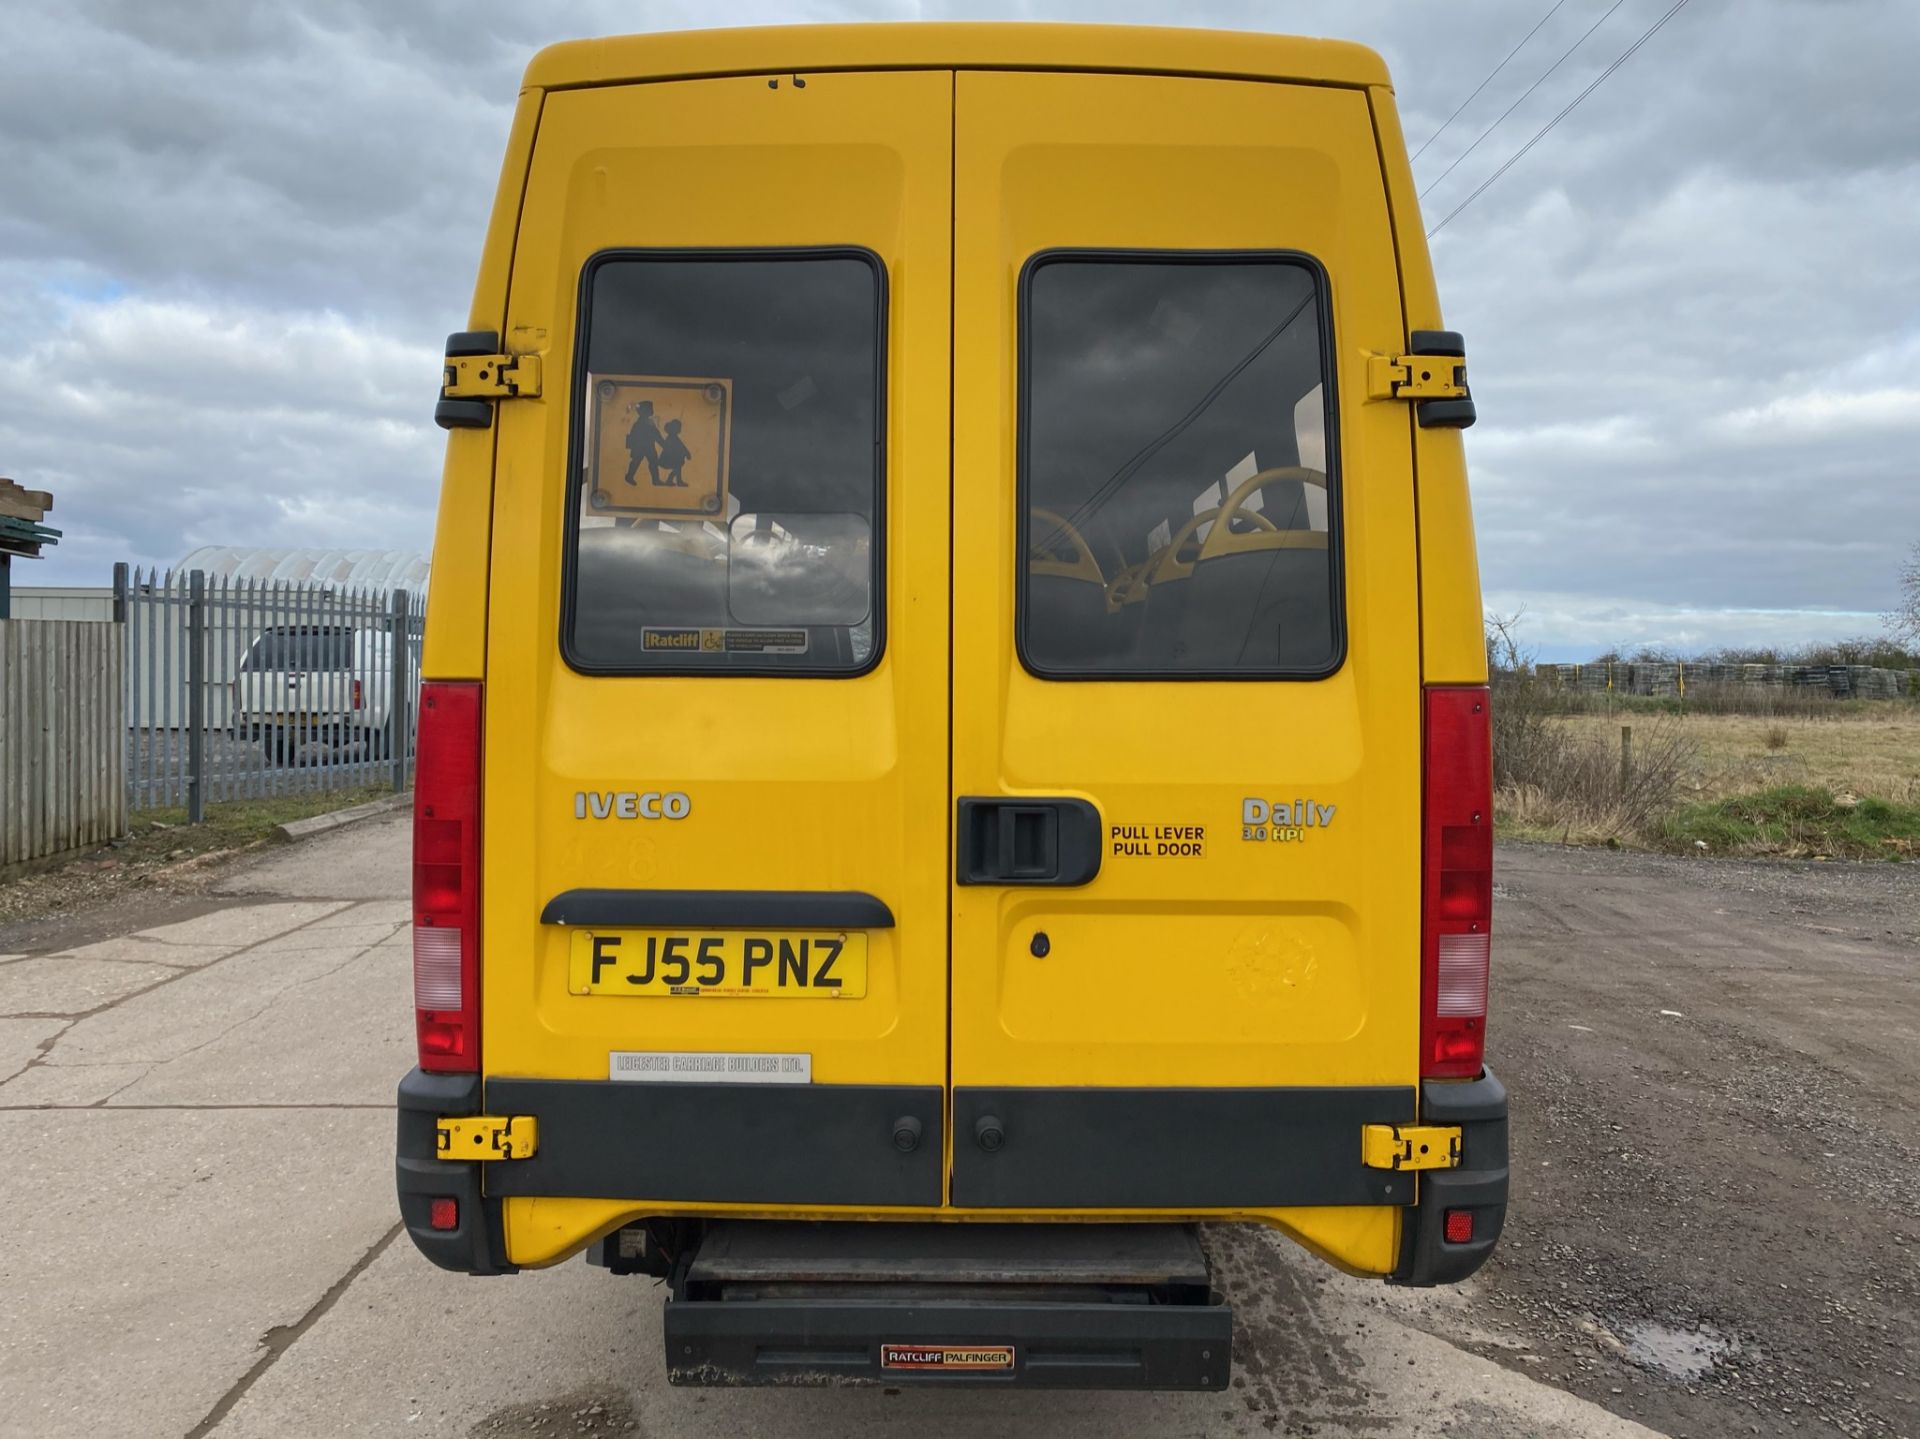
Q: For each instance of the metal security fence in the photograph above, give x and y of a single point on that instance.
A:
(241, 688)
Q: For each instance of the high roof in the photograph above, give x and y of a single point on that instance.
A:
(779, 50)
(364, 569)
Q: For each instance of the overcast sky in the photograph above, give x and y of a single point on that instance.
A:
(234, 235)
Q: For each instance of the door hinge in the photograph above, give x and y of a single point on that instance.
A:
(489, 1136)
(1416, 377)
(490, 377)
(1431, 376)
(1410, 1146)
(477, 375)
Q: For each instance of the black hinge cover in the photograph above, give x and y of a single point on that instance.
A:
(1441, 414)
(1420, 342)
(467, 414)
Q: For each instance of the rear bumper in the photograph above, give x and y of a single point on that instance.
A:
(476, 1243)
(1479, 1185)
(709, 1153)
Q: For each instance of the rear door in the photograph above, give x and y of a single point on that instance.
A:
(1185, 660)
(298, 674)
(716, 704)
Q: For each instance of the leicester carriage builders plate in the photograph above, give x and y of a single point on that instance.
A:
(660, 446)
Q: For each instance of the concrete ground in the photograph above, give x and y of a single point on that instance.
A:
(201, 1234)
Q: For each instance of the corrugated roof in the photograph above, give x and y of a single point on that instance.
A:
(367, 569)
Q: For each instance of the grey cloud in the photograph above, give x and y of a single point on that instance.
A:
(1689, 308)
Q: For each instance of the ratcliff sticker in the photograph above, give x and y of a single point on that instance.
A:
(988, 1358)
(1157, 841)
(659, 640)
(661, 446)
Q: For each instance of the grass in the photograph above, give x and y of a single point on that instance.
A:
(160, 849)
(1839, 779)
(1867, 749)
(1797, 820)
(234, 824)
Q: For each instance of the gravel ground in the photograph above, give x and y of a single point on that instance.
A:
(1715, 1224)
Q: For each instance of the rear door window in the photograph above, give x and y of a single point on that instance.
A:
(1178, 491)
(727, 499)
(304, 649)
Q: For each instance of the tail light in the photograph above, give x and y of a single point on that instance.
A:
(1457, 878)
(357, 696)
(446, 878)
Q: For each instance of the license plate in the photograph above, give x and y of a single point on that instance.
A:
(725, 963)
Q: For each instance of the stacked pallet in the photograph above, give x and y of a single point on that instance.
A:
(21, 514)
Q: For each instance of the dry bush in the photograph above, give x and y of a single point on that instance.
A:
(1776, 736)
(1548, 776)
(1714, 697)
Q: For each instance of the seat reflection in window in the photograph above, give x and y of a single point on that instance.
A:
(729, 465)
(1178, 501)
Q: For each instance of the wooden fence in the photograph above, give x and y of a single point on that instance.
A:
(63, 736)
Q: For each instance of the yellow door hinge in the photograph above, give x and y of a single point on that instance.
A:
(1410, 1146)
(488, 1136)
(490, 377)
(1416, 377)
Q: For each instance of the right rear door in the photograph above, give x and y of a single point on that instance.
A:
(1186, 634)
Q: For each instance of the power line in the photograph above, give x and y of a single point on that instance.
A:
(1113, 484)
(1543, 131)
(1490, 74)
(1517, 103)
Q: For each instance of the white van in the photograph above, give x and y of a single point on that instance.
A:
(316, 684)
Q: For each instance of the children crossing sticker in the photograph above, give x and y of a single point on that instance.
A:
(661, 445)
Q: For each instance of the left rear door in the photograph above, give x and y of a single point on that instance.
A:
(716, 695)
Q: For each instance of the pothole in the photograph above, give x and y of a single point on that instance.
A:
(1679, 1353)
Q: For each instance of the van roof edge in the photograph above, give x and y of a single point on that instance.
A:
(813, 49)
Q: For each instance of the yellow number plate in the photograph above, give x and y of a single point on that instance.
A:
(726, 963)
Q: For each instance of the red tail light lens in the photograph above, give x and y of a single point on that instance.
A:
(446, 878)
(357, 697)
(1457, 902)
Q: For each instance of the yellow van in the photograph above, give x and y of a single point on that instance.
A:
(954, 747)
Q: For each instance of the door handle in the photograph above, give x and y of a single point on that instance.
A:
(1027, 841)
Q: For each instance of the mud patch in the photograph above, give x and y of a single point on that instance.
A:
(586, 1411)
(1290, 1368)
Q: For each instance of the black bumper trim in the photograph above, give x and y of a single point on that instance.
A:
(1058, 1345)
(1479, 1107)
(725, 1143)
(477, 1245)
(720, 908)
(1178, 1149)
